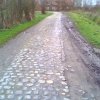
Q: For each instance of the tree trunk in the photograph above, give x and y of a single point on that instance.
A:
(43, 10)
(43, 7)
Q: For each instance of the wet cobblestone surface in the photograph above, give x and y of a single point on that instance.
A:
(36, 72)
(44, 63)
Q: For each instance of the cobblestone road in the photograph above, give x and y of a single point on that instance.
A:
(36, 72)
(44, 63)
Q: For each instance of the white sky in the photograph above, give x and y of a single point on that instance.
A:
(94, 2)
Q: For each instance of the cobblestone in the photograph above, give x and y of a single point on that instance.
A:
(10, 96)
(2, 97)
(27, 97)
(36, 72)
(19, 92)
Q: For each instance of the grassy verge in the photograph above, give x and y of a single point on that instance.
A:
(94, 16)
(6, 34)
(89, 29)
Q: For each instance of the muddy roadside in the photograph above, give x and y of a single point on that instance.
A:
(87, 52)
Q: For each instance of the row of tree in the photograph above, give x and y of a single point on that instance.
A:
(86, 3)
(15, 11)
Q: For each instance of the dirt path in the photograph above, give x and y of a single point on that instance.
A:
(78, 64)
(44, 63)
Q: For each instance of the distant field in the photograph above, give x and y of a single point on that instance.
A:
(6, 34)
(89, 29)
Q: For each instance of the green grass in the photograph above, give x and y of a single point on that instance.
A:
(89, 29)
(94, 16)
(7, 34)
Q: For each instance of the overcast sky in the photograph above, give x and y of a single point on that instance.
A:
(89, 2)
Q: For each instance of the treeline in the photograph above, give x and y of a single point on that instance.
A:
(16, 11)
(86, 3)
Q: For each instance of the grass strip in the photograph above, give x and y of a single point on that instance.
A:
(7, 34)
(89, 29)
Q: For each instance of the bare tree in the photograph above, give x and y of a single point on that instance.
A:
(1, 14)
(43, 6)
(16, 11)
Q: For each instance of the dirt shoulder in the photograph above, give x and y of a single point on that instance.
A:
(85, 62)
